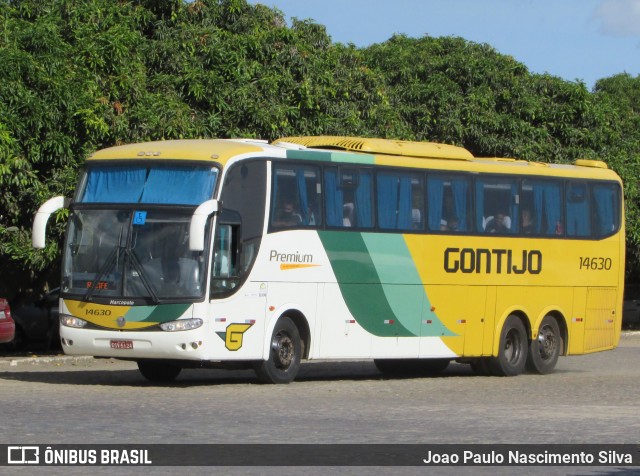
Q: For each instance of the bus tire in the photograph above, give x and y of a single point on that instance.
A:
(284, 355)
(157, 371)
(512, 353)
(545, 350)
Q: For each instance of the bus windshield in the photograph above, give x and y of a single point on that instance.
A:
(119, 253)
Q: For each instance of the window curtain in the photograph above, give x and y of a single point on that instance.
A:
(334, 198)
(514, 209)
(578, 216)
(166, 185)
(546, 199)
(302, 193)
(405, 204)
(364, 199)
(387, 200)
(394, 201)
(460, 188)
(435, 192)
(179, 186)
(605, 198)
(114, 184)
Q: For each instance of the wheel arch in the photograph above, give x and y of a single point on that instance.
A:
(524, 319)
(301, 323)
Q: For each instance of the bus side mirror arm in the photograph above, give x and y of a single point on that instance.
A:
(198, 223)
(39, 229)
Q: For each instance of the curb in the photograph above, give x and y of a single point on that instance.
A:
(35, 360)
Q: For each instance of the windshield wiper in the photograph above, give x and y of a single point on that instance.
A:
(111, 261)
(133, 259)
(106, 267)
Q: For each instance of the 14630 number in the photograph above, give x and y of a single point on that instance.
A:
(595, 263)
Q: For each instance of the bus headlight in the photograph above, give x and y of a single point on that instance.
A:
(72, 321)
(181, 325)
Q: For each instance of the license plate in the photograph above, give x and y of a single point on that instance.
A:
(121, 344)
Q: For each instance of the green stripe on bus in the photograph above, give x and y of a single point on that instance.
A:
(360, 285)
(402, 285)
(166, 312)
(341, 157)
(139, 313)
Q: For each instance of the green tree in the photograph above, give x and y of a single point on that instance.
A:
(78, 75)
(620, 94)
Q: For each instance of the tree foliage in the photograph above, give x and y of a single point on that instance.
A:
(78, 75)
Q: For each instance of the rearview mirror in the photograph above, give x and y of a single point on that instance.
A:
(198, 223)
(39, 229)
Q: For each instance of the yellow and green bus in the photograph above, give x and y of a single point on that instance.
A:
(245, 254)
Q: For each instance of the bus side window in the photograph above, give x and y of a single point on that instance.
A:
(348, 197)
(497, 205)
(544, 199)
(606, 206)
(223, 272)
(448, 202)
(400, 200)
(295, 196)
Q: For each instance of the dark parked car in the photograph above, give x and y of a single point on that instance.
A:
(7, 326)
(37, 322)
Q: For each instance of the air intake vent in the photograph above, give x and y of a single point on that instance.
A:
(427, 150)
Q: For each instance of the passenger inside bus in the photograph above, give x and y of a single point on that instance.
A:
(347, 214)
(451, 224)
(499, 223)
(286, 215)
(526, 225)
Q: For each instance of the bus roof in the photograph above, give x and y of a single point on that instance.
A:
(214, 150)
(442, 157)
(384, 152)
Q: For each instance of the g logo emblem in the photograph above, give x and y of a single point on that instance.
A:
(234, 334)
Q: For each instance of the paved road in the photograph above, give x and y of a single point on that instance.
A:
(589, 399)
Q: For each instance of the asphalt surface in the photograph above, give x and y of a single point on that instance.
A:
(36, 356)
(589, 399)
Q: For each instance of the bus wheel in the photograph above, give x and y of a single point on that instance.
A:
(545, 350)
(158, 371)
(512, 354)
(284, 357)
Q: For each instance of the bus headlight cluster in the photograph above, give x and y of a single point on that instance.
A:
(72, 321)
(181, 325)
